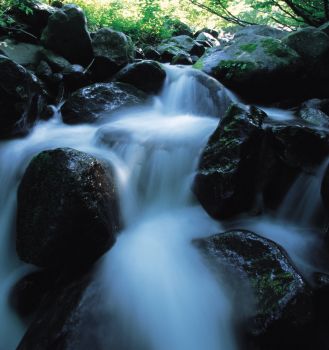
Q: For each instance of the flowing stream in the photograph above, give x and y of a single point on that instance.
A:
(155, 282)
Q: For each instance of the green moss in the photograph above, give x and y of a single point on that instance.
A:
(198, 64)
(274, 47)
(249, 47)
(234, 69)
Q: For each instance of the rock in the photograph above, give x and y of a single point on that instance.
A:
(282, 300)
(262, 30)
(325, 28)
(183, 59)
(204, 36)
(225, 183)
(96, 101)
(67, 35)
(312, 112)
(112, 50)
(152, 54)
(24, 54)
(310, 43)
(36, 19)
(56, 62)
(147, 76)
(61, 315)
(181, 44)
(287, 152)
(180, 28)
(257, 67)
(27, 294)
(44, 71)
(214, 33)
(22, 98)
(75, 77)
(67, 212)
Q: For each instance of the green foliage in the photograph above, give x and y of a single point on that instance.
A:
(6, 5)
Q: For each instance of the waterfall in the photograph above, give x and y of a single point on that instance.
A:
(153, 279)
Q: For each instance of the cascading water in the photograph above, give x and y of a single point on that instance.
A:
(154, 282)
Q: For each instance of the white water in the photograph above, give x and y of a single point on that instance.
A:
(155, 283)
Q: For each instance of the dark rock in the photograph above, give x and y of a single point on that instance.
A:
(283, 307)
(75, 77)
(96, 101)
(22, 98)
(288, 151)
(44, 71)
(28, 292)
(139, 53)
(147, 76)
(67, 209)
(37, 19)
(152, 54)
(225, 183)
(67, 35)
(60, 315)
(183, 59)
(180, 28)
(112, 50)
(56, 62)
(314, 112)
(257, 67)
(325, 192)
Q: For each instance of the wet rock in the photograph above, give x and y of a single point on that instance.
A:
(24, 54)
(183, 59)
(283, 308)
(75, 77)
(112, 50)
(288, 151)
(257, 67)
(67, 211)
(67, 35)
(325, 194)
(97, 101)
(225, 183)
(28, 292)
(315, 112)
(22, 98)
(147, 76)
(180, 28)
(59, 316)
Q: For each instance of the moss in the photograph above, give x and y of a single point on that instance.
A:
(234, 69)
(249, 47)
(198, 64)
(274, 47)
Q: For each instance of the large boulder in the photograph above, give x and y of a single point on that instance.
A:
(67, 35)
(257, 67)
(96, 101)
(147, 76)
(112, 50)
(225, 183)
(261, 29)
(312, 44)
(264, 279)
(22, 98)
(67, 209)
